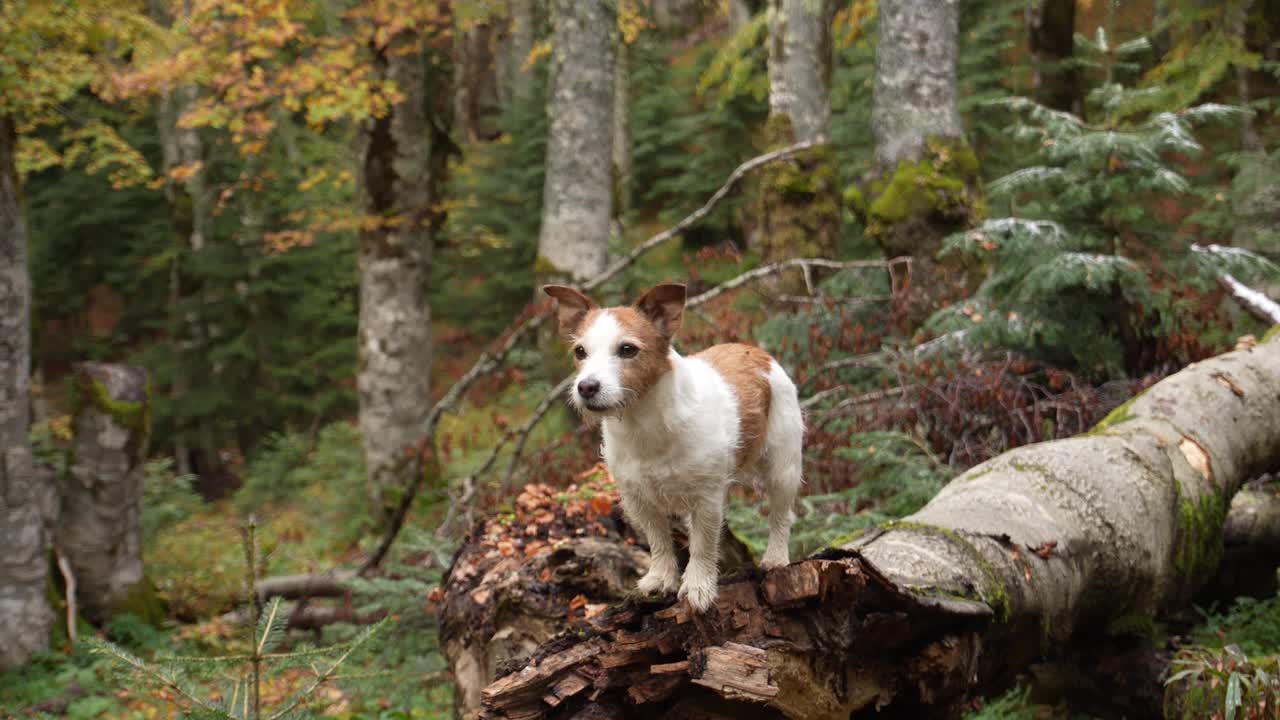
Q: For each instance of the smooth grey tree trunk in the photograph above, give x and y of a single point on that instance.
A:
(622, 129)
(517, 44)
(915, 91)
(402, 169)
(99, 527)
(800, 65)
(926, 183)
(25, 615)
(577, 198)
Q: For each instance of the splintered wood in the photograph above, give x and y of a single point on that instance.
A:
(638, 658)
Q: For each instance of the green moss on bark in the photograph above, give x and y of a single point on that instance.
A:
(1199, 545)
(941, 189)
(798, 203)
(141, 600)
(132, 415)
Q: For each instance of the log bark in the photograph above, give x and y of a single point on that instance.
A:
(1038, 548)
(403, 170)
(99, 526)
(25, 615)
(577, 198)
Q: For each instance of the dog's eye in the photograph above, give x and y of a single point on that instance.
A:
(627, 350)
(580, 353)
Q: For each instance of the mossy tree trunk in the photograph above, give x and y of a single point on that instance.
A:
(404, 162)
(798, 203)
(25, 615)
(925, 184)
(577, 198)
(99, 526)
(1034, 552)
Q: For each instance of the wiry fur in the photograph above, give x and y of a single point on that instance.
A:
(678, 430)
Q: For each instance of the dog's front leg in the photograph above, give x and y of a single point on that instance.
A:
(655, 525)
(703, 572)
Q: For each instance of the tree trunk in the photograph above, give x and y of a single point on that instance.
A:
(517, 45)
(1051, 26)
(926, 183)
(99, 527)
(192, 209)
(25, 616)
(577, 198)
(475, 81)
(1044, 546)
(403, 169)
(622, 130)
(799, 203)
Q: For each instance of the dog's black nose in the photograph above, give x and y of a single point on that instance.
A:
(588, 388)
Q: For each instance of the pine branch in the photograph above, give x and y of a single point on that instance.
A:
(1256, 303)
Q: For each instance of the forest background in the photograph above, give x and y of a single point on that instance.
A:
(318, 227)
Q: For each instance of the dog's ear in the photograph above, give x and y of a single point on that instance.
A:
(573, 306)
(664, 305)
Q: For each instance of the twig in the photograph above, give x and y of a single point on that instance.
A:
(68, 578)
(522, 433)
(488, 361)
(775, 268)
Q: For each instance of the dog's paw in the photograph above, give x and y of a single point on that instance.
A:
(769, 562)
(658, 582)
(700, 594)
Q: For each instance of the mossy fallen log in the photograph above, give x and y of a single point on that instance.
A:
(1038, 549)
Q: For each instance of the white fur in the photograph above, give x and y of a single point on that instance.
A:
(673, 452)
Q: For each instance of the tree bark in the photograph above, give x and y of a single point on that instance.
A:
(403, 168)
(99, 527)
(517, 45)
(926, 183)
(1035, 549)
(1051, 28)
(799, 204)
(475, 81)
(622, 130)
(25, 615)
(577, 199)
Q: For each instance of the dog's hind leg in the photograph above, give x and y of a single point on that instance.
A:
(783, 460)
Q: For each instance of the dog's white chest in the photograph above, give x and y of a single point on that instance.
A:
(679, 449)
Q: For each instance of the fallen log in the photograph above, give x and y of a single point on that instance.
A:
(1037, 549)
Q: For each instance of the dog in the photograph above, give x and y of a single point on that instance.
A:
(679, 430)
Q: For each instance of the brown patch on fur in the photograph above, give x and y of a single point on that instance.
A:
(642, 371)
(746, 369)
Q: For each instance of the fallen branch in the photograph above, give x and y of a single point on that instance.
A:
(489, 361)
(1037, 548)
(69, 591)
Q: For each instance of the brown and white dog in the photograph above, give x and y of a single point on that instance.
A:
(678, 430)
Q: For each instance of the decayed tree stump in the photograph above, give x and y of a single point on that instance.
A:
(1037, 549)
(99, 527)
